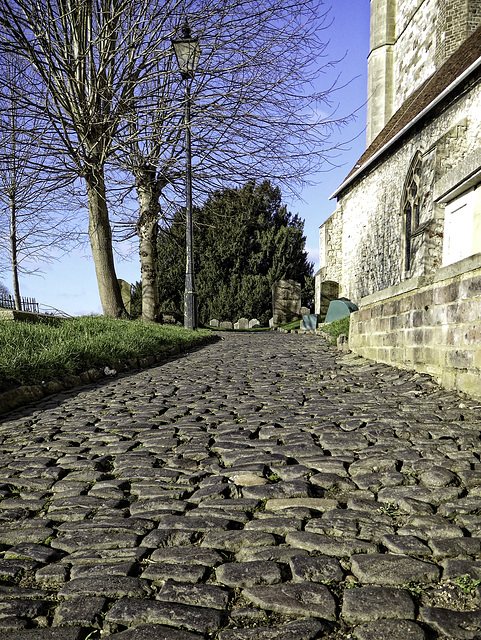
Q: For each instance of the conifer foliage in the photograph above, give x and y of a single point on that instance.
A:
(245, 239)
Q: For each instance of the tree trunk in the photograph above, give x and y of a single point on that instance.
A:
(147, 230)
(100, 235)
(13, 253)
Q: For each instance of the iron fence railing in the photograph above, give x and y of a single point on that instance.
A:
(27, 304)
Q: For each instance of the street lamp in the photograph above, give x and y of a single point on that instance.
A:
(187, 52)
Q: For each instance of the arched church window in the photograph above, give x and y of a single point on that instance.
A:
(410, 208)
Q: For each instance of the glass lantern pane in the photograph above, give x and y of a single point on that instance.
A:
(187, 53)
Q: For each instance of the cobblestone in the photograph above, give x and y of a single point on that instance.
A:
(265, 487)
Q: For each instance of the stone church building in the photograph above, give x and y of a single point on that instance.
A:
(404, 243)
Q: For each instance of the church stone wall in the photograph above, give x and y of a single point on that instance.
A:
(456, 21)
(372, 251)
(380, 66)
(411, 220)
(474, 17)
(410, 40)
(330, 247)
(372, 216)
(415, 48)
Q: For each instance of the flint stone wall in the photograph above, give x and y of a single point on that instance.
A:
(415, 48)
(371, 224)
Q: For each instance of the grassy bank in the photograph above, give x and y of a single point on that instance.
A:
(333, 328)
(30, 353)
(337, 327)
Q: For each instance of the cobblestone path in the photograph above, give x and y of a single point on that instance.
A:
(264, 487)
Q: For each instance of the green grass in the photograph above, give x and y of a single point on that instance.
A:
(337, 327)
(295, 324)
(333, 328)
(31, 353)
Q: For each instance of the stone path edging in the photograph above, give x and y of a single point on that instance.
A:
(25, 394)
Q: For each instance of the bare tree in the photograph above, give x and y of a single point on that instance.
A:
(256, 113)
(90, 57)
(106, 84)
(149, 150)
(35, 214)
(4, 292)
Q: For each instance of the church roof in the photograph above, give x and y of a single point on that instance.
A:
(463, 61)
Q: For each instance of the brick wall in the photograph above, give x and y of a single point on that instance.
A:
(432, 328)
(456, 21)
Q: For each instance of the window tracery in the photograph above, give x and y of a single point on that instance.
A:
(411, 208)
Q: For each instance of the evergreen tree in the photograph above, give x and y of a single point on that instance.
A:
(244, 240)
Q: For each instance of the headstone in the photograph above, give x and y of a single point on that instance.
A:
(126, 293)
(309, 322)
(254, 323)
(242, 323)
(214, 323)
(305, 311)
(340, 309)
(226, 325)
(271, 322)
(286, 301)
(326, 292)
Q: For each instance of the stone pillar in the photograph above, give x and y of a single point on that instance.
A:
(286, 301)
(380, 66)
(329, 291)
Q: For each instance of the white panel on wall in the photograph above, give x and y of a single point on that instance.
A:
(459, 228)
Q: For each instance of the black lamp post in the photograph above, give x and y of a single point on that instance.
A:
(187, 52)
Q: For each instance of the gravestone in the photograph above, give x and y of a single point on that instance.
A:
(214, 323)
(226, 325)
(309, 322)
(254, 323)
(340, 309)
(305, 311)
(242, 323)
(326, 292)
(286, 301)
(126, 293)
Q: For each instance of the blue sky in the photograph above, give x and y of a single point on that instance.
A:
(70, 284)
